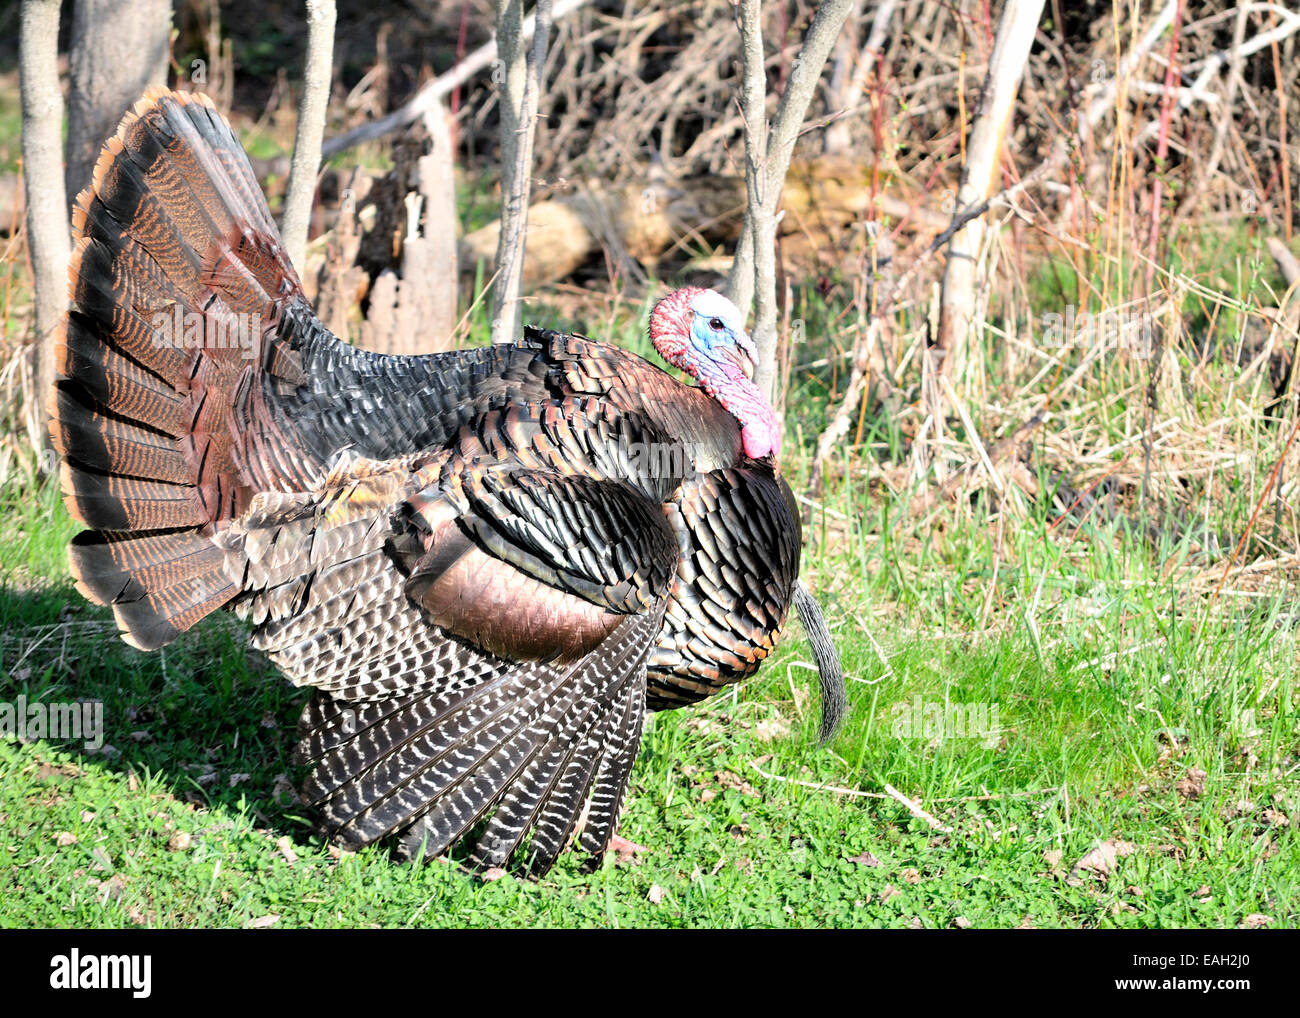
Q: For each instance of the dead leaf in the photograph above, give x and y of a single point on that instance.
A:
(1193, 785)
(656, 894)
(729, 779)
(112, 888)
(283, 791)
(911, 875)
(624, 850)
(1256, 921)
(262, 922)
(962, 923)
(286, 849)
(491, 874)
(889, 891)
(65, 838)
(180, 841)
(771, 730)
(865, 859)
(1102, 860)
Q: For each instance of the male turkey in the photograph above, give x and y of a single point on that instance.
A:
(488, 563)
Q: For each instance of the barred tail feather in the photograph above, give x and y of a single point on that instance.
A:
(172, 231)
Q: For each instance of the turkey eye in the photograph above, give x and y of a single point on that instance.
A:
(715, 324)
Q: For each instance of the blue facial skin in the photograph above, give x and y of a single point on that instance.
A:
(722, 343)
(708, 340)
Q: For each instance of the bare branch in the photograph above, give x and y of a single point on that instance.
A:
(767, 160)
(317, 76)
(837, 136)
(1015, 36)
(755, 252)
(438, 89)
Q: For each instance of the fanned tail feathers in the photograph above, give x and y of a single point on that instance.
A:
(172, 231)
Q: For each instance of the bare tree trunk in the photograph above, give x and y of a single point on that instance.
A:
(116, 51)
(520, 95)
(415, 312)
(767, 159)
(438, 185)
(47, 204)
(1011, 45)
(317, 76)
(755, 264)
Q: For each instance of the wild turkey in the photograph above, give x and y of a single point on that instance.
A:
(488, 563)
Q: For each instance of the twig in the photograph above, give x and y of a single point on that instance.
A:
(916, 810)
(1162, 146)
(893, 793)
(1272, 479)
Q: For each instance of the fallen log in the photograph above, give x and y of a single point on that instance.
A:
(645, 223)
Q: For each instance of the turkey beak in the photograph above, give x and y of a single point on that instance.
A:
(742, 359)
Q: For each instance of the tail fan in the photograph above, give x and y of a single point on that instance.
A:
(179, 283)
